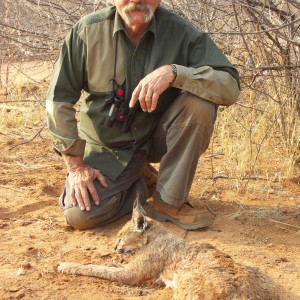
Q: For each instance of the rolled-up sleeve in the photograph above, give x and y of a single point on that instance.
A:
(63, 127)
(208, 73)
(64, 92)
(216, 86)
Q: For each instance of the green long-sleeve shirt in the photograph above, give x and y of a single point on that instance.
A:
(86, 68)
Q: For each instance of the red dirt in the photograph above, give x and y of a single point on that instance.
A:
(257, 228)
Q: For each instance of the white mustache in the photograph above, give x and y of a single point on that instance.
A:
(132, 6)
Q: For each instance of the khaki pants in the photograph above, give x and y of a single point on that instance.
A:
(182, 135)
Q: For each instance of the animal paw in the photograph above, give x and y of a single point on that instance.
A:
(67, 267)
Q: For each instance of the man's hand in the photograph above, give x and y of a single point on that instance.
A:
(151, 87)
(81, 183)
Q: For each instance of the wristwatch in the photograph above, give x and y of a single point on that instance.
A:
(174, 70)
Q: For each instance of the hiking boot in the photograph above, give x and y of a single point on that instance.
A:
(184, 216)
(150, 175)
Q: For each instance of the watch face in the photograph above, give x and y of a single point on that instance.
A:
(174, 70)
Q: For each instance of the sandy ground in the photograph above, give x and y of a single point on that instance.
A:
(259, 230)
(256, 228)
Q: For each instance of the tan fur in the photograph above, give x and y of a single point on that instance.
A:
(194, 271)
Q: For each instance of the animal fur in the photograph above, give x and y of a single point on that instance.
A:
(193, 271)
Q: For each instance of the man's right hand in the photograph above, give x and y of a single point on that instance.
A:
(81, 181)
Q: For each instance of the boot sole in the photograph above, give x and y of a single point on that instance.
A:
(164, 218)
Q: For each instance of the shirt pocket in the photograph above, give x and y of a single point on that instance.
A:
(101, 61)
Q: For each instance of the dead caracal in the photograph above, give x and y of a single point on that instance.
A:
(194, 271)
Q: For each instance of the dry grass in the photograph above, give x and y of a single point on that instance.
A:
(248, 142)
(23, 90)
(21, 116)
(258, 138)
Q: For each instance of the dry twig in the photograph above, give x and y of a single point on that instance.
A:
(27, 141)
(286, 224)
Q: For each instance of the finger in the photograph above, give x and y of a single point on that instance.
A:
(155, 97)
(135, 96)
(79, 199)
(102, 180)
(93, 192)
(85, 198)
(142, 98)
(148, 104)
(143, 105)
(148, 100)
(73, 198)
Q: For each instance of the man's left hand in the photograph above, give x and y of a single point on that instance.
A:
(151, 87)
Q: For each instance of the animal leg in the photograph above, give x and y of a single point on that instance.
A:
(132, 274)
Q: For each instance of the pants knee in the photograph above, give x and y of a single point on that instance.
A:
(78, 219)
(196, 110)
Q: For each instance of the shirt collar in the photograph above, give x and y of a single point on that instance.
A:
(118, 24)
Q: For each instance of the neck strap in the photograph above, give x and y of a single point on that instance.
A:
(115, 62)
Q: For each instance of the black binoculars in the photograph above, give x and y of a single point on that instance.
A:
(116, 113)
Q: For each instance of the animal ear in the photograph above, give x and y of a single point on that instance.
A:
(117, 244)
(137, 206)
(139, 220)
(136, 203)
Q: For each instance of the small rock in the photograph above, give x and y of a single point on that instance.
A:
(21, 271)
(27, 265)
